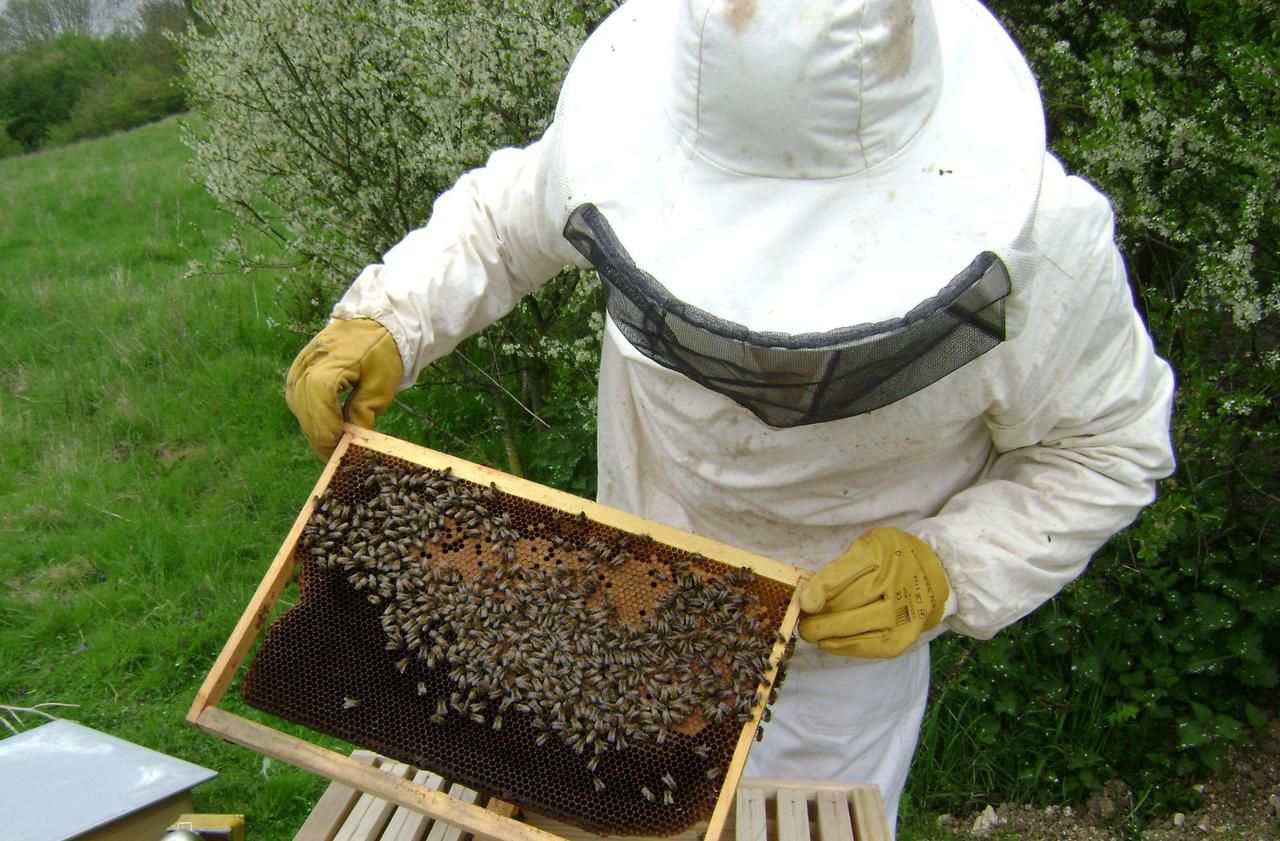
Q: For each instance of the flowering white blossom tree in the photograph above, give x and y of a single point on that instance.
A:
(332, 125)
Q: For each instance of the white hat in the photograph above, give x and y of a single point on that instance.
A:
(797, 166)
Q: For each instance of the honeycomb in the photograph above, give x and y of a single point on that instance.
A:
(586, 673)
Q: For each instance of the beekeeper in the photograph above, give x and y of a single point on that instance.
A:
(859, 320)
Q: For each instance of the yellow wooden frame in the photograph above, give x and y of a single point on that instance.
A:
(498, 820)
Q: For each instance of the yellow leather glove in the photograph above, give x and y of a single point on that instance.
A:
(877, 598)
(358, 354)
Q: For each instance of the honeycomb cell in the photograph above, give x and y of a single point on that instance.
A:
(586, 673)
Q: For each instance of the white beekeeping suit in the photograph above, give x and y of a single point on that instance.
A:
(847, 288)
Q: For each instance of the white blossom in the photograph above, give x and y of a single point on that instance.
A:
(332, 125)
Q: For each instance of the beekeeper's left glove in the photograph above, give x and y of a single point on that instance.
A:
(357, 354)
(877, 598)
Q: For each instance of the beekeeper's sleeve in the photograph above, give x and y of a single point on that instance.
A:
(1080, 439)
(491, 239)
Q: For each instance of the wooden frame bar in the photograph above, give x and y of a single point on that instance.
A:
(488, 822)
(767, 810)
(841, 811)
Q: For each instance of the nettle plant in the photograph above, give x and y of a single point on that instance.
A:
(330, 127)
(1164, 654)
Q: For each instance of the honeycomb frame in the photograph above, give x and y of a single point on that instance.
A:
(569, 509)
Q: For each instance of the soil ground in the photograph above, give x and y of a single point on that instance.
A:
(1242, 802)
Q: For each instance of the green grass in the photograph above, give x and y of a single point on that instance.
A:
(149, 468)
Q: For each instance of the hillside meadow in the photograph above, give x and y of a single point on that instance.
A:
(149, 468)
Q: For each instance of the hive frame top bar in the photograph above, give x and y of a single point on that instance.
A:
(761, 565)
(484, 823)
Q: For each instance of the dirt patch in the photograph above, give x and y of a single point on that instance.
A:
(1243, 802)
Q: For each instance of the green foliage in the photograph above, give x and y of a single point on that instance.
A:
(9, 146)
(40, 84)
(76, 85)
(332, 127)
(133, 97)
(1157, 660)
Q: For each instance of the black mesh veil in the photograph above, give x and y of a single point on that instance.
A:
(790, 379)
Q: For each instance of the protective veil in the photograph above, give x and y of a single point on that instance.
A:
(798, 168)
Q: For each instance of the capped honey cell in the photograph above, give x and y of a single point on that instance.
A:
(586, 673)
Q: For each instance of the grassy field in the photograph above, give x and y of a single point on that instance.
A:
(148, 465)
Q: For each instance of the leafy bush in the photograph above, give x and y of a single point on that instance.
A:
(333, 125)
(40, 84)
(9, 146)
(76, 85)
(1165, 653)
(137, 95)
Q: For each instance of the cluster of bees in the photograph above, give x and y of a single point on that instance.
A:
(459, 627)
(524, 618)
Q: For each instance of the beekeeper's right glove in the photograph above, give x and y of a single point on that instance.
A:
(358, 354)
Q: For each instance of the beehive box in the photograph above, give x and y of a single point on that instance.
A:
(569, 658)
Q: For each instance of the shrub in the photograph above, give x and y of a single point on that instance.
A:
(8, 145)
(1165, 653)
(40, 84)
(333, 125)
(75, 85)
(134, 97)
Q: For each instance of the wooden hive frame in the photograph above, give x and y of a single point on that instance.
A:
(497, 820)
